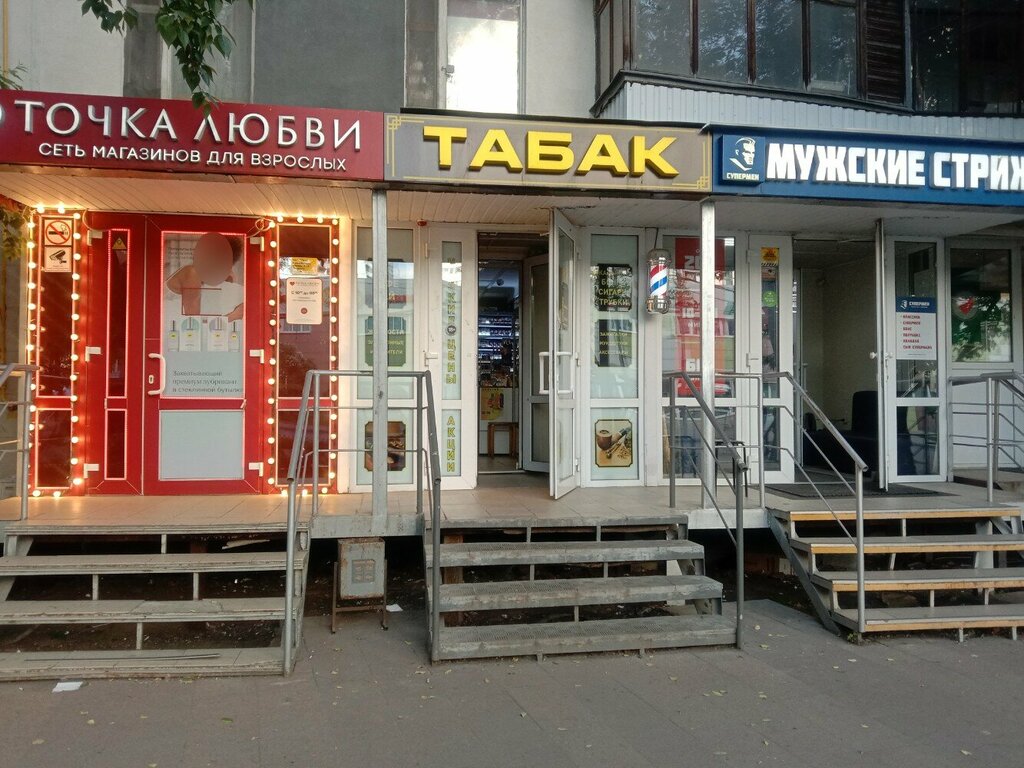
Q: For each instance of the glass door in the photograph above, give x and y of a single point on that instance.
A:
(915, 421)
(536, 448)
(563, 363)
(203, 350)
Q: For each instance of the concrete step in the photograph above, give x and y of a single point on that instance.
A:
(880, 515)
(124, 664)
(140, 611)
(88, 565)
(941, 617)
(551, 593)
(881, 545)
(908, 581)
(561, 552)
(586, 636)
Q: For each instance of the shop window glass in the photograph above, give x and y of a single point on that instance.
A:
(833, 48)
(400, 310)
(401, 446)
(683, 444)
(614, 308)
(778, 30)
(604, 42)
(483, 55)
(54, 321)
(421, 68)
(980, 305)
(936, 39)
(304, 333)
(285, 425)
(681, 327)
(117, 330)
(722, 40)
(917, 440)
(116, 437)
(661, 36)
(53, 449)
(615, 444)
(917, 355)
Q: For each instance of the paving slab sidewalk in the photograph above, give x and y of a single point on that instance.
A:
(796, 696)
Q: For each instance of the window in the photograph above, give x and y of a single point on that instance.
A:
(779, 34)
(833, 48)
(980, 302)
(661, 36)
(967, 56)
(483, 55)
(722, 40)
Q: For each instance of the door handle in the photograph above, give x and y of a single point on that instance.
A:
(163, 374)
(572, 373)
(545, 383)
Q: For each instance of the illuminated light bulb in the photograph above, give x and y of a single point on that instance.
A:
(270, 420)
(32, 265)
(299, 218)
(270, 262)
(273, 243)
(305, 492)
(273, 342)
(270, 460)
(335, 241)
(271, 440)
(280, 218)
(74, 439)
(30, 245)
(334, 436)
(32, 409)
(331, 475)
(323, 490)
(334, 398)
(334, 280)
(333, 457)
(334, 359)
(29, 347)
(77, 236)
(75, 276)
(271, 382)
(73, 377)
(334, 339)
(31, 286)
(74, 419)
(319, 219)
(273, 361)
(270, 401)
(31, 305)
(334, 417)
(75, 297)
(31, 225)
(33, 388)
(75, 316)
(334, 319)
(273, 283)
(77, 481)
(272, 303)
(334, 260)
(77, 216)
(283, 491)
(334, 222)
(271, 223)
(74, 358)
(37, 493)
(41, 208)
(334, 299)
(273, 321)
(73, 337)
(61, 209)
(31, 326)
(77, 257)
(56, 494)
(73, 399)
(73, 461)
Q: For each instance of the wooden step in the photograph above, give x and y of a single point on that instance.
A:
(169, 528)
(942, 579)
(561, 552)
(586, 636)
(879, 515)
(81, 665)
(551, 593)
(145, 611)
(881, 545)
(573, 523)
(941, 617)
(87, 565)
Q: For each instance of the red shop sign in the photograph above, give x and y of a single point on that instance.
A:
(71, 131)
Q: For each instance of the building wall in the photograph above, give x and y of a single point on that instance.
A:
(61, 50)
(559, 57)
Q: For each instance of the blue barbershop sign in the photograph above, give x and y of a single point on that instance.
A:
(843, 166)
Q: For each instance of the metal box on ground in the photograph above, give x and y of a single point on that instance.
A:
(360, 578)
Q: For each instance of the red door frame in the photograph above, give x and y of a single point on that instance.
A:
(97, 374)
(254, 325)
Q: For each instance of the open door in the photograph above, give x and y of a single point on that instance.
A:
(564, 357)
(536, 410)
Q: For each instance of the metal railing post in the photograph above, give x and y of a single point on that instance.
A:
(672, 444)
(289, 597)
(27, 396)
(759, 383)
(737, 472)
(859, 484)
(992, 430)
(316, 442)
(420, 455)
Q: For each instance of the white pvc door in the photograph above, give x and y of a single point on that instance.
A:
(564, 358)
(536, 410)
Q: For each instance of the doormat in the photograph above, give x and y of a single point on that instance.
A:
(834, 490)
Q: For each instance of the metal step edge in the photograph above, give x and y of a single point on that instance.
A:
(840, 545)
(910, 623)
(561, 523)
(555, 553)
(811, 516)
(899, 581)
(554, 593)
(92, 665)
(157, 529)
(88, 565)
(586, 637)
(22, 612)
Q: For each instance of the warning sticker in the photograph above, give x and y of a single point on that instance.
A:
(57, 231)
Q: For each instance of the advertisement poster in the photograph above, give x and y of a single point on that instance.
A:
(613, 443)
(58, 244)
(614, 343)
(916, 329)
(613, 287)
(396, 446)
(398, 342)
(304, 300)
(204, 308)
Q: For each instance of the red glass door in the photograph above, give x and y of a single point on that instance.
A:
(202, 404)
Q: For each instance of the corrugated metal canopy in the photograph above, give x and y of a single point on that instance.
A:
(247, 197)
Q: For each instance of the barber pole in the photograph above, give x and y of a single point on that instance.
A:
(658, 298)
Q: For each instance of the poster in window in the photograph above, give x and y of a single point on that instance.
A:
(614, 344)
(398, 342)
(396, 446)
(613, 443)
(613, 287)
(304, 297)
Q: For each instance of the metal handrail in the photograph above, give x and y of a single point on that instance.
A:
(995, 445)
(25, 400)
(304, 468)
(739, 466)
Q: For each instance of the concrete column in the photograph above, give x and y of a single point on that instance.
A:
(707, 335)
(380, 361)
